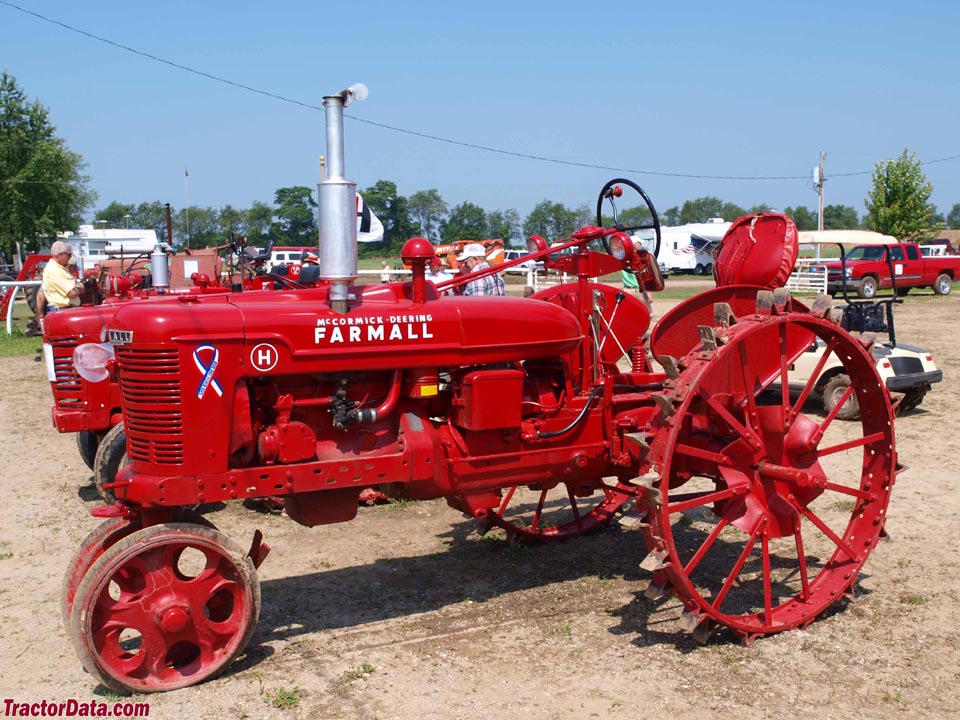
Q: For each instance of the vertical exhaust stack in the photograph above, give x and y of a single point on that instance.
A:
(338, 205)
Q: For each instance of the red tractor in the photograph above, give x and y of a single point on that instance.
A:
(86, 399)
(757, 514)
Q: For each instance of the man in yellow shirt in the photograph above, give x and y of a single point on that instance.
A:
(60, 289)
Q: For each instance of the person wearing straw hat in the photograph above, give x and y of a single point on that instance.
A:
(474, 259)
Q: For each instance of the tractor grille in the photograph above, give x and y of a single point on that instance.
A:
(67, 391)
(152, 409)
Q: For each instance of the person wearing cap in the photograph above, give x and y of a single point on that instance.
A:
(436, 272)
(308, 257)
(474, 259)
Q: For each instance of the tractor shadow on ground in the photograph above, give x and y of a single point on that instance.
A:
(470, 569)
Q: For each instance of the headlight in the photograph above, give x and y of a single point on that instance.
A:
(621, 246)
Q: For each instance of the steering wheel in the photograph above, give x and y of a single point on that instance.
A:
(608, 192)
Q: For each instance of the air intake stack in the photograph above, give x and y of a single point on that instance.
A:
(338, 205)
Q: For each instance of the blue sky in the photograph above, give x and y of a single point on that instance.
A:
(695, 88)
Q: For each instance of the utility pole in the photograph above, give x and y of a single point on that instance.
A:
(820, 179)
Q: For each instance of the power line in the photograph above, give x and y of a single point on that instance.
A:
(426, 136)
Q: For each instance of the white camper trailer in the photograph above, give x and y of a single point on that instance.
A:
(91, 245)
(691, 247)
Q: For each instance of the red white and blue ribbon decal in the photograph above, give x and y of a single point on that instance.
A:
(207, 371)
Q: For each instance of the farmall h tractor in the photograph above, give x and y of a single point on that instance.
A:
(757, 514)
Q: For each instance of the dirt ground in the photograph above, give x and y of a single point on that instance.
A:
(407, 613)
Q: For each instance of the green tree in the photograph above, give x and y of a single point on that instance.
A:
(554, 221)
(153, 216)
(296, 223)
(700, 210)
(504, 224)
(899, 202)
(116, 214)
(230, 221)
(630, 217)
(393, 210)
(42, 188)
(953, 218)
(761, 208)
(840, 217)
(465, 222)
(204, 230)
(670, 217)
(427, 209)
(803, 217)
(257, 221)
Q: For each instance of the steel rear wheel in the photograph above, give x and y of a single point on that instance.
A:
(762, 515)
(165, 607)
(561, 511)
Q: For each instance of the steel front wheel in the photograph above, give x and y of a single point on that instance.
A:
(762, 515)
(561, 511)
(93, 546)
(166, 607)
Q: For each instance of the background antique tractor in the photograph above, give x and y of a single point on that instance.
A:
(757, 514)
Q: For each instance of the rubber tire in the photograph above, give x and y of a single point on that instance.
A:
(708, 270)
(867, 288)
(111, 457)
(698, 270)
(943, 284)
(911, 400)
(87, 444)
(835, 387)
(31, 295)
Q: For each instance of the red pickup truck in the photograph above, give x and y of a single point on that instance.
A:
(868, 269)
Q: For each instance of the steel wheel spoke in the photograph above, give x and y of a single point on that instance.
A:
(506, 500)
(836, 409)
(536, 514)
(738, 566)
(705, 546)
(854, 492)
(708, 455)
(749, 388)
(688, 501)
(825, 529)
(573, 504)
(767, 591)
(811, 383)
(784, 381)
(802, 562)
(859, 442)
(738, 427)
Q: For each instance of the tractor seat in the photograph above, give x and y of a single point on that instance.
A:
(865, 317)
(280, 270)
(310, 274)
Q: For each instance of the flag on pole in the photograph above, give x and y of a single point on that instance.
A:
(186, 173)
